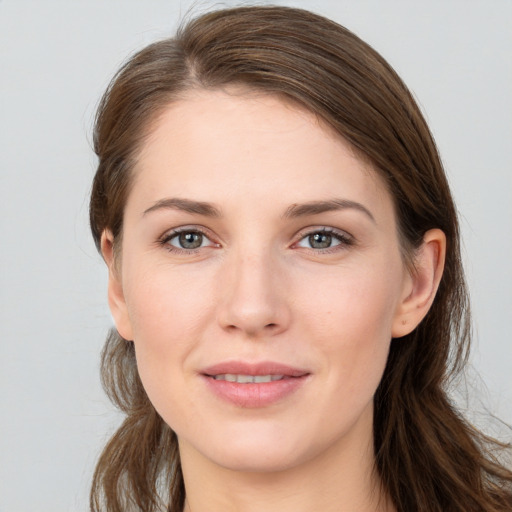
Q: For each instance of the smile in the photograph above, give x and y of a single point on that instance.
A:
(254, 385)
(248, 379)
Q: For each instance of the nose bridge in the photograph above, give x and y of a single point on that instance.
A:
(253, 300)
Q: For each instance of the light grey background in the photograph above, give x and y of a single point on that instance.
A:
(55, 60)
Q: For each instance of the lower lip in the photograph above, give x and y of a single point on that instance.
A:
(255, 395)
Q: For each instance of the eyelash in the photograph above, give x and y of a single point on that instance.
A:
(345, 240)
(164, 241)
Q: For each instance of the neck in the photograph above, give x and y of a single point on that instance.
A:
(341, 479)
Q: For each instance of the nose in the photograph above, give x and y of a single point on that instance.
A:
(253, 299)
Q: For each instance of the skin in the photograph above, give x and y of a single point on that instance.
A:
(258, 289)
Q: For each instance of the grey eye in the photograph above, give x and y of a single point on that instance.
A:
(325, 239)
(188, 240)
(320, 240)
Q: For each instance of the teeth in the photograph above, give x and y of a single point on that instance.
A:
(262, 378)
(248, 379)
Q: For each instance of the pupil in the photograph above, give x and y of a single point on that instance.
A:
(320, 240)
(191, 240)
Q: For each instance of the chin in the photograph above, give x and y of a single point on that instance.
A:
(258, 450)
(262, 460)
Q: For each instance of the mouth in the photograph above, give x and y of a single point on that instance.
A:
(250, 385)
(249, 379)
(250, 373)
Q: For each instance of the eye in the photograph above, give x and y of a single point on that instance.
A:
(323, 239)
(319, 240)
(186, 240)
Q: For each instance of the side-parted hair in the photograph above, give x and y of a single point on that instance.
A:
(428, 457)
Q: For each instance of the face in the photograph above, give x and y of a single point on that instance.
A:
(261, 280)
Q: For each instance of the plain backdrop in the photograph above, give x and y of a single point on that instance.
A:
(56, 57)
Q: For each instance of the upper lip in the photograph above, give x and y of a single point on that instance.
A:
(259, 368)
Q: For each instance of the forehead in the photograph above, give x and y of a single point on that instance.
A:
(229, 110)
(217, 143)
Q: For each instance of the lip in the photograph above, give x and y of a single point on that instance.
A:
(254, 395)
(260, 368)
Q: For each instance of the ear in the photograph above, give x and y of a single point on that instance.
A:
(116, 300)
(421, 284)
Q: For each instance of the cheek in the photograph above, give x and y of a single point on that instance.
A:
(166, 304)
(351, 321)
(357, 302)
(168, 312)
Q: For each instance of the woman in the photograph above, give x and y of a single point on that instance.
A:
(285, 279)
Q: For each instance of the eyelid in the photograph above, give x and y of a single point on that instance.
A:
(322, 229)
(345, 238)
(172, 233)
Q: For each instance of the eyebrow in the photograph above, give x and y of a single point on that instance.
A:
(316, 207)
(293, 211)
(186, 205)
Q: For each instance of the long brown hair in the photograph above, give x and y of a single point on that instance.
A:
(428, 457)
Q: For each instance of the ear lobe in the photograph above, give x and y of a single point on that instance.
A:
(422, 284)
(116, 300)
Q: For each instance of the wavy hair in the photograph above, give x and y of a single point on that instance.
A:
(428, 457)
